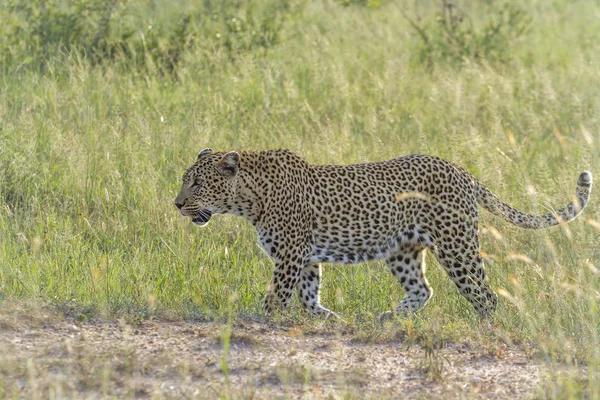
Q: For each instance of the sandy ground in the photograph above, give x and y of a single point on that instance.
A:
(52, 357)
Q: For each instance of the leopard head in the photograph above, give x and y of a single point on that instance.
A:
(209, 186)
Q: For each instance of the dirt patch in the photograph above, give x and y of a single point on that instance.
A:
(52, 356)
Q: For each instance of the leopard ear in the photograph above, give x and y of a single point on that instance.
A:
(204, 152)
(228, 165)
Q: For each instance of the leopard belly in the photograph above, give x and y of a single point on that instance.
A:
(337, 252)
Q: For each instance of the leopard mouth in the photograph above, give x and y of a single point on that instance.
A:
(202, 217)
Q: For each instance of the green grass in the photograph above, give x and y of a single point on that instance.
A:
(91, 159)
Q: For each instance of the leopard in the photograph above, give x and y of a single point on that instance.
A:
(396, 210)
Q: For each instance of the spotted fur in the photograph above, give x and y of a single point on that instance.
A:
(394, 210)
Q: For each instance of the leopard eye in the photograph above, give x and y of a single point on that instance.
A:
(195, 184)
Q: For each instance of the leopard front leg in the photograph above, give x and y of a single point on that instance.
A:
(290, 251)
(309, 287)
(284, 279)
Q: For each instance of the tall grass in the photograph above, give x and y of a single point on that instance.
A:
(91, 157)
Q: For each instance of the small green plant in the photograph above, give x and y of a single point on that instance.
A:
(434, 363)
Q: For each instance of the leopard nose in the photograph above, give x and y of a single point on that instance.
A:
(178, 204)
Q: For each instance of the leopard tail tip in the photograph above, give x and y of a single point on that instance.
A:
(585, 179)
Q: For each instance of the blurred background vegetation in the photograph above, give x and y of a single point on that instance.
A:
(150, 37)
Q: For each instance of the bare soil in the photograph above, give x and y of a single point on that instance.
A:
(49, 356)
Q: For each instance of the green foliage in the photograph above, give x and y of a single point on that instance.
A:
(456, 37)
(34, 32)
(255, 32)
(39, 30)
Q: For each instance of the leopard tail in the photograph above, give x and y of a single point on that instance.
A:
(497, 207)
